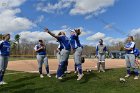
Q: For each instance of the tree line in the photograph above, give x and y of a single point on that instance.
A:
(26, 48)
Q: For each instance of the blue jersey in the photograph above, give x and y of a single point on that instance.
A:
(75, 42)
(4, 48)
(136, 52)
(60, 46)
(40, 52)
(64, 41)
(130, 45)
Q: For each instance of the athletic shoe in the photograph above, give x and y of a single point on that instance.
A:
(127, 76)
(80, 77)
(67, 72)
(75, 72)
(103, 70)
(56, 76)
(60, 78)
(3, 83)
(49, 75)
(136, 77)
(41, 76)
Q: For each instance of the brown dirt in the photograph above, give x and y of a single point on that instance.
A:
(31, 65)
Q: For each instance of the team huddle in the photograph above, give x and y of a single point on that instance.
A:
(66, 46)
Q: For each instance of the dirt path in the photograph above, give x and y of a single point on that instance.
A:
(31, 65)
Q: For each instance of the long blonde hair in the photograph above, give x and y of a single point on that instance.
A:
(5, 35)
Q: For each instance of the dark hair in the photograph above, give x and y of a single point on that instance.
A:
(40, 41)
(101, 40)
(59, 33)
(78, 31)
(131, 38)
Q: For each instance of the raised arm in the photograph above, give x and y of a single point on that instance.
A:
(52, 34)
(78, 31)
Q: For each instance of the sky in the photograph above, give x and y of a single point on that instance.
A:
(110, 20)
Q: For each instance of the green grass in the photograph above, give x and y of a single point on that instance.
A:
(91, 83)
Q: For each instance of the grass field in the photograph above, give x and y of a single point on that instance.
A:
(91, 83)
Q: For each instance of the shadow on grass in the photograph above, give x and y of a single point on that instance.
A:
(17, 86)
(88, 76)
(24, 78)
(85, 79)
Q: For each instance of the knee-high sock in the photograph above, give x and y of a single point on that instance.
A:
(75, 67)
(1, 75)
(60, 70)
(128, 70)
(79, 68)
(40, 70)
(136, 72)
(66, 66)
(47, 70)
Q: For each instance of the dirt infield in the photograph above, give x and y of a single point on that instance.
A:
(31, 65)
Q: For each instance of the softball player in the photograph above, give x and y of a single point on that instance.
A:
(4, 56)
(41, 58)
(130, 57)
(60, 47)
(100, 52)
(64, 52)
(77, 48)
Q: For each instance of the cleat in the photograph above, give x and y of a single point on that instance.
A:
(49, 75)
(136, 77)
(127, 76)
(80, 77)
(56, 76)
(41, 76)
(3, 83)
(60, 78)
(75, 72)
(67, 72)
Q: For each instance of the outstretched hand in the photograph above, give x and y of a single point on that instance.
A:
(46, 30)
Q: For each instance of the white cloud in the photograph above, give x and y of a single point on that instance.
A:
(109, 26)
(111, 40)
(93, 6)
(54, 8)
(96, 36)
(29, 36)
(4, 4)
(40, 19)
(9, 22)
(107, 40)
(82, 7)
(134, 32)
